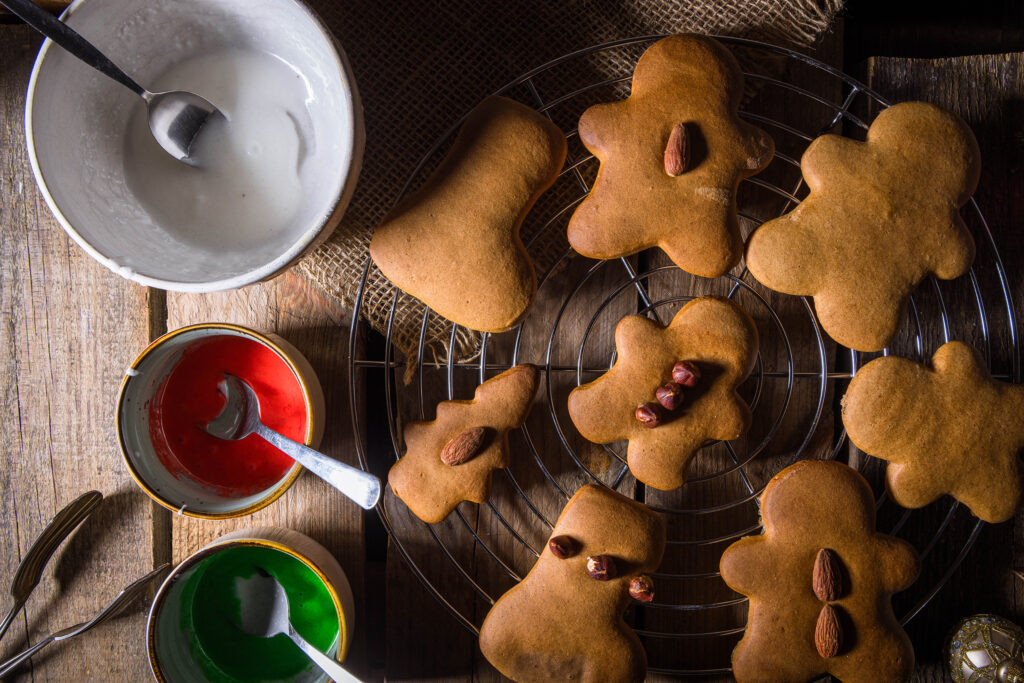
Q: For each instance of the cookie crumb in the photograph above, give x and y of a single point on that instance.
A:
(715, 194)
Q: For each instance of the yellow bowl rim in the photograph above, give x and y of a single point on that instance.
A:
(275, 492)
(211, 549)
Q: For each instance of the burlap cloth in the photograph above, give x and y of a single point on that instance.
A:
(421, 65)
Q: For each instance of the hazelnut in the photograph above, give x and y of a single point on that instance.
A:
(562, 546)
(686, 373)
(642, 588)
(670, 395)
(601, 567)
(650, 414)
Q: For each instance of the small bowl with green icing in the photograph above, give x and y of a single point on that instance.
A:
(194, 630)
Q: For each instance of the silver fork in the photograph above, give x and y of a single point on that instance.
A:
(113, 608)
(30, 571)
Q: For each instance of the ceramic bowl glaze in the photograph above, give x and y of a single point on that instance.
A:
(141, 381)
(76, 121)
(174, 643)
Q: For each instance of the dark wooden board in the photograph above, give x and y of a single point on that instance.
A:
(987, 91)
(68, 328)
(290, 307)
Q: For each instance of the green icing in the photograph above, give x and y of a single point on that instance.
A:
(211, 614)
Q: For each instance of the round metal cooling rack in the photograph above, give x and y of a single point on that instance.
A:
(479, 552)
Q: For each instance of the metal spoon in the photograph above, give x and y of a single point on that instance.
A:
(27, 576)
(175, 117)
(264, 613)
(113, 608)
(241, 417)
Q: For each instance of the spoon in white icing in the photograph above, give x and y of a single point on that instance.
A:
(176, 117)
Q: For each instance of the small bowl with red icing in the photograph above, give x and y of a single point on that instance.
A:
(172, 391)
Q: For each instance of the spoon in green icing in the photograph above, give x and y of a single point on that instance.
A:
(264, 614)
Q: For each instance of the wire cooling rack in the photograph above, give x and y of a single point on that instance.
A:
(479, 552)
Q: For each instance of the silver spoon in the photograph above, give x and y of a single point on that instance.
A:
(264, 614)
(175, 117)
(241, 417)
(113, 608)
(27, 576)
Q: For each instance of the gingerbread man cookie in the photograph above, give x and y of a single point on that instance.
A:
(672, 388)
(949, 428)
(880, 217)
(819, 581)
(564, 621)
(454, 243)
(672, 155)
(451, 459)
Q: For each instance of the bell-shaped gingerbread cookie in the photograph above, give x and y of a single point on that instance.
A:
(564, 621)
(672, 155)
(452, 458)
(819, 581)
(672, 388)
(949, 428)
(881, 216)
(454, 243)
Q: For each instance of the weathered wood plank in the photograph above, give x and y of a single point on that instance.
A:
(68, 328)
(289, 307)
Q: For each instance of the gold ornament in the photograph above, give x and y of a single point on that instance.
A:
(986, 649)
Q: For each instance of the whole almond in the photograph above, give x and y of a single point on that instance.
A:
(828, 634)
(827, 580)
(677, 151)
(463, 446)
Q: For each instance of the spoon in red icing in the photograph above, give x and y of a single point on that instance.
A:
(241, 417)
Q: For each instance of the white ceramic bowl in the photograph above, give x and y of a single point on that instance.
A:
(76, 121)
(140, 383)
(169, 645)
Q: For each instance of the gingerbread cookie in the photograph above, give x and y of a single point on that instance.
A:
(672, 155)
(451, 459)
(949, 428)
(564, 622)
(672, 388)
(880, 217)
(454, 243)
(819, 581)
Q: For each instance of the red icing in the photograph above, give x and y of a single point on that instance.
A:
(188, 398)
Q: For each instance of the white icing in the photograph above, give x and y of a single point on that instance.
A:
(245, 187)
(78, 122)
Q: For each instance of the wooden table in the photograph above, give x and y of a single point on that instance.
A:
(70, 328)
